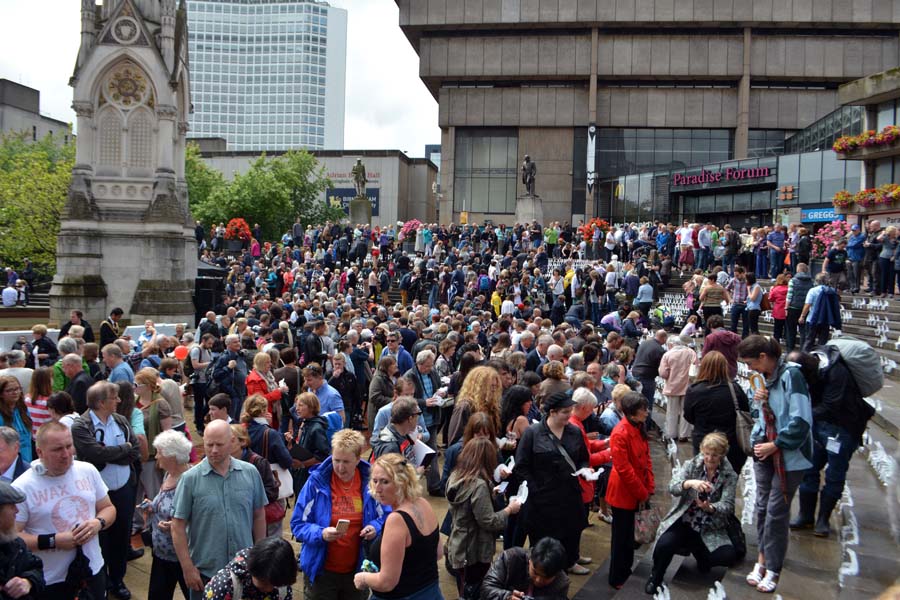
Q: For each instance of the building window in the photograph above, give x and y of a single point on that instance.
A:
(627, 151)
(485, 171)
(765, 142)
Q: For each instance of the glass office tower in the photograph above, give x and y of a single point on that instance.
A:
(268, 74)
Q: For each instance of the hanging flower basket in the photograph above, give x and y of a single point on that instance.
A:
(883, 195)
(869, 143)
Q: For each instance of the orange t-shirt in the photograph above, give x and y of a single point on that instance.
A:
(346, 503)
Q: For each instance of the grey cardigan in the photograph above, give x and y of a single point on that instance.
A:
(721, 499)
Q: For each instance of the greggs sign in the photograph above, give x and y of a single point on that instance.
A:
(729, 174)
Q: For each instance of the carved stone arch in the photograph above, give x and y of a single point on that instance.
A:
(110, 126)
(141, 146)
(111, 78)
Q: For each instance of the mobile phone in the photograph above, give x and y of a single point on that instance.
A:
(343, 525)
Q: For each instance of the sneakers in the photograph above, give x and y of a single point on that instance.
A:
(769, 583)
(584, 560)
(577, 570)
(756, 575)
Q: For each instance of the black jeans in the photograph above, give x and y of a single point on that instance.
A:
(791, 324)
(816, 335)
(680, 537)
(96, 587)
(752, 316)
(621, 546)
(115, 541)
(200, 408)
(164, 576)
(778, 332)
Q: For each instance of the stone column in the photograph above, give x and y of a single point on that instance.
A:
(84, 113)
(742, 132)
(166, 160)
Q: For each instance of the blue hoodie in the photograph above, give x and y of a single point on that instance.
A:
(312, 514)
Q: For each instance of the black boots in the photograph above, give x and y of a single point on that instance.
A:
(653, 583)
(807, 515)
(826, 505)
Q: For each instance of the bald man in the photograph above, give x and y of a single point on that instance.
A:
(224, 501)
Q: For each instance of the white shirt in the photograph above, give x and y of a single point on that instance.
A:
(508, 308)
(686, 234)
(56, 504)
(10, 296)
(8, 474)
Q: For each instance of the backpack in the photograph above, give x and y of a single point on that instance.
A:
(484, 283)
(213, 387)
(187, 365)
(863, 362)
(335, 424)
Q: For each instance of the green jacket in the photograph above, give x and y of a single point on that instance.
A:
(721, 498)
(475, 524)
(60, 381)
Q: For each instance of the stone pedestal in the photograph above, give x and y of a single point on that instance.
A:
(360, 211)
(529, 208)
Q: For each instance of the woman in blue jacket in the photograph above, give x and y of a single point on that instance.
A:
(337, 490)
(782, 451)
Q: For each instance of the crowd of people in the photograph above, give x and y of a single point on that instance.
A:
(516, 377)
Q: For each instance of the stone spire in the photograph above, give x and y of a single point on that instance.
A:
(88, 29)
(167, 34)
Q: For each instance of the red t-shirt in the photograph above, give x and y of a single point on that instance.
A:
(346, 503)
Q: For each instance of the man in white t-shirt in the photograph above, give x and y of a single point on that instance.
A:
(66, 506)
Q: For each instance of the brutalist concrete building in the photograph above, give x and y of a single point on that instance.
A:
(616, 99)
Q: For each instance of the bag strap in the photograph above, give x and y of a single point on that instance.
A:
(266, 443)
(733, 398)
(561, 450)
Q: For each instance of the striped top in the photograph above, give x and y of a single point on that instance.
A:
(39, 412)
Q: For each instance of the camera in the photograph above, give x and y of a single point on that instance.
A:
(703, 496)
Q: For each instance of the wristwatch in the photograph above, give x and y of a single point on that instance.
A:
(102, 523)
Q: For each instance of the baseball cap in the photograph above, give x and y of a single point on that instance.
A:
(557, 401)
(854, 228)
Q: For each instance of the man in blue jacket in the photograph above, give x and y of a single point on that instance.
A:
(856, 254)
(337, 490)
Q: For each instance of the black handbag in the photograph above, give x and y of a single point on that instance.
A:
(736, 535)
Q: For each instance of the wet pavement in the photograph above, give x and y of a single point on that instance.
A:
(859, 560)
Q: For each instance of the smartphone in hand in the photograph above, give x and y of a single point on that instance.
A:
(342, 526)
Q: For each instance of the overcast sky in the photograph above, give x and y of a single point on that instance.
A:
(387, 105)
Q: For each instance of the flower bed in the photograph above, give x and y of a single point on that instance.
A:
(827, 235)
(867, 139)
(587, 230)
(882, 195)
(237, 229)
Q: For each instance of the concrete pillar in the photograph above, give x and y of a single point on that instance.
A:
(448, 169)
(742, 132)
(592, 118)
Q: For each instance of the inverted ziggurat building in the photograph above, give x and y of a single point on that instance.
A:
(617, 100)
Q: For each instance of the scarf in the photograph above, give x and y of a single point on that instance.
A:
(269, 378)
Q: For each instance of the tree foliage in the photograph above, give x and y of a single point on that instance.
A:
(273, 192)
(34, 182)
(202, 180)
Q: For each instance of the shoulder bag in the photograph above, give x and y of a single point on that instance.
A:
(743, 424)
(282, 475)
(646, 523)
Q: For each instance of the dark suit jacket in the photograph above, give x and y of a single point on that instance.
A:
(78, 388)
(90, 450)
(533, 361)
(21, 467)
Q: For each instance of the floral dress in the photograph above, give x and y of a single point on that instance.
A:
(234, 581)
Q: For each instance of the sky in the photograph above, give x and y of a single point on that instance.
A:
(387, 105)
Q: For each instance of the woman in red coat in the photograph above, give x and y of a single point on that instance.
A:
(261, 381)
(630, 483)
(778, 299)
